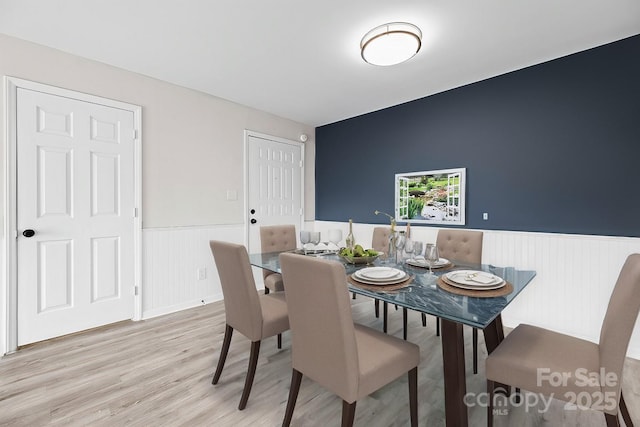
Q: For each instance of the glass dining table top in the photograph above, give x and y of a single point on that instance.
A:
(423, 294)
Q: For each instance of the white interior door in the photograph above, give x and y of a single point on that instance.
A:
(75, 190)
(275, 185)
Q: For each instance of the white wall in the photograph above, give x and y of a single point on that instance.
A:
(192, 143)
(574, 280)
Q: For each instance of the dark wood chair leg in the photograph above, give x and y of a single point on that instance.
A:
(266, 290)
(625, 412)
(424, 320)
(376, 304)
(612, 420)
(404, 323)
(348, 413)
(279, 341)
(296, 379)
(490, 389)
(413, 396)
(353, 295)
(437, 326)
(228, 332)
(475, 350)
(385, 309)
(253, 362)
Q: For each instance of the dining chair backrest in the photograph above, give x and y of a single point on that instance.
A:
(323, 345)
(460, 245)
(619, 321)
(380, 239)
(277, 238)
(241, 302)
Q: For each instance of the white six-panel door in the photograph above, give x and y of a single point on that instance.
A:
(275, 184)
(75, 190)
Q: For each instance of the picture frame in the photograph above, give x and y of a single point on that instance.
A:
(431, 197)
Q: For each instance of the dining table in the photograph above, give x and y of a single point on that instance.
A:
(426, 292)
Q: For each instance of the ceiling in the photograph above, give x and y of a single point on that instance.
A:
(300, 59)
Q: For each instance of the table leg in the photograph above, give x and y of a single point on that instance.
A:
(455, 385)
(493, 334)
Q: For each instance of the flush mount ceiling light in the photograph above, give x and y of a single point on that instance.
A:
(391, 43)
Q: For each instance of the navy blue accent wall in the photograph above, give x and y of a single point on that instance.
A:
(554, 148)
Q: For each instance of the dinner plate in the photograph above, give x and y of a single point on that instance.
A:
(379, 273)
(421, 262)
(474, 278)
(473, 287)
(393, 281)
(397, 278)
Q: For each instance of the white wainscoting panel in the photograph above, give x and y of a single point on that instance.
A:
(171, 258)
(574, 280)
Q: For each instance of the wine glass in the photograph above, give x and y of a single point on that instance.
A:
(305, 237)
(335, 236)
(400, 241)
(315, 237)
(431, 255)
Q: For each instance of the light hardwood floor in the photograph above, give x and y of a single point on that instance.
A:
(158, 372)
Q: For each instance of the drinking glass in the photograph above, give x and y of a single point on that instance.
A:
(335, 236)
(417, 248)
(305, 237)
(315, 237)
(431, 255)
(408, 247)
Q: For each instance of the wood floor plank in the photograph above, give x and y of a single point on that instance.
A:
(158, 372)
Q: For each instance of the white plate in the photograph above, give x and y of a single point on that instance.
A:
(393, 281)
(421, 262)
(474, 287)
(475, 278)
(379, 273)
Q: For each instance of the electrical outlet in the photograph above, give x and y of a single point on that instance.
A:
(485, 216)
(202, 273)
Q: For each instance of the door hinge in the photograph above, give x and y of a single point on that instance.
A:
(301, 163)
(135, 212)
(135, 290)
(135, 133)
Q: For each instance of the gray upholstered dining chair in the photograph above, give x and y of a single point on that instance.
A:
(464, 246)
(517, 361)
(276, 238)
(254, 316)
(380, 243)
(350, 360)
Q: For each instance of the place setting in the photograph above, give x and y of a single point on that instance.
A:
(380, 278)
(431, 258)
(475, 283)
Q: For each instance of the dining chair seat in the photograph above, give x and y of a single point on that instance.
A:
(255, 316)
(565, 367)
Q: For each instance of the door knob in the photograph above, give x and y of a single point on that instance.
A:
(253, 220)
(28, 233)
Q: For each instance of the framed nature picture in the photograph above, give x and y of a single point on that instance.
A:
(431, 197)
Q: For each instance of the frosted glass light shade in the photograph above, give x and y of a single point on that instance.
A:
(391, 43)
